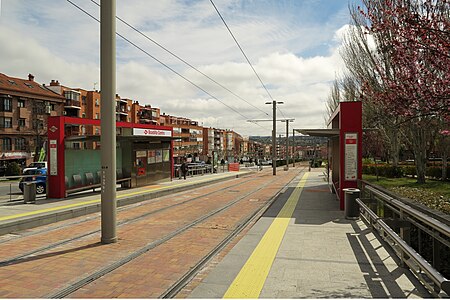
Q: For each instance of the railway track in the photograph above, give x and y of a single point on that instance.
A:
(193, 201)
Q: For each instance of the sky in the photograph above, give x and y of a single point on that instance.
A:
(292, 45)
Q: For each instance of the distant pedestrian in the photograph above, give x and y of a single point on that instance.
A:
(184, 168)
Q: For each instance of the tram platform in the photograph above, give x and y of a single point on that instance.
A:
(17, 215)
(303, 247)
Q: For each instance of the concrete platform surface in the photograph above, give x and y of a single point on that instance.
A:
(321, 255)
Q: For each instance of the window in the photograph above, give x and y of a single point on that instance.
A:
(5, 122)
(97, 116)
(20, 103)
(6, 104)
(6, 144)
(76, 146)
(83, 100)
(83, 115)
(20, 144)
(97, 103)
(21, 123)
(72, 95)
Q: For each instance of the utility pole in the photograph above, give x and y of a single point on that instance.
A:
(293, 147)
(287, 141)
(287, 145)
(108, 122)
(274, 134)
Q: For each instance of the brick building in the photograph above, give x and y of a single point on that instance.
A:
(188, 137)
(24, 107)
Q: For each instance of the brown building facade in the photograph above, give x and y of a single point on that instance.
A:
(24, 108)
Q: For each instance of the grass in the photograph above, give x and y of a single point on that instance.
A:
(434, 194)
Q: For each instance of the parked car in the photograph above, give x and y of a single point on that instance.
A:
(39, 177)
(35, 165)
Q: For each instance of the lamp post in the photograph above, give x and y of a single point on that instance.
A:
(293, 147)
(287, 141)
(274, 132)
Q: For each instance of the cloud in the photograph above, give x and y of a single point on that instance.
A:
(279, 38)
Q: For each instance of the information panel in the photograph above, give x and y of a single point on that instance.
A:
(53, 158)
(351, 156)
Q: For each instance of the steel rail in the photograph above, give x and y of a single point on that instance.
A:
(20, 257)
(72, 287)
(173, 290)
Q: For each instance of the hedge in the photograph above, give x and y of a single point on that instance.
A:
(388, 171)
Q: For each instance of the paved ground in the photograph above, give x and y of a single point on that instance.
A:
(322, 255)
(302, 247)
(17, 215)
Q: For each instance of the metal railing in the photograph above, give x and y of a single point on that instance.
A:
(194, 169)
(420, 240)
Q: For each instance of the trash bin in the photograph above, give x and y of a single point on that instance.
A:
(351, 207)
(29, 191)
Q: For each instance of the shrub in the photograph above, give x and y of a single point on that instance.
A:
(13, 169)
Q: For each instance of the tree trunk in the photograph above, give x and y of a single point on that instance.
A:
(420, 149)
(395, 147)
(444, 165)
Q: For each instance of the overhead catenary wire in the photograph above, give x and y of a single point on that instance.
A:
(243, 53)
(183, 60)
(162, 63)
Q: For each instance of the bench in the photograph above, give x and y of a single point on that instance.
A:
(92, 183)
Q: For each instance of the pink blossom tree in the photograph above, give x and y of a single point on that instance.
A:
(412, 65)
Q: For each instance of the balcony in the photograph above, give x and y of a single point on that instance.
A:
(72, 104)
(122, 111)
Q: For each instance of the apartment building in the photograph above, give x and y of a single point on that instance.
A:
(24, 108)
(188, 137)
(148, 115)
(233, 148)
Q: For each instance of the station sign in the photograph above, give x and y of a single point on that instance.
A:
(151, 132)
(351, 156)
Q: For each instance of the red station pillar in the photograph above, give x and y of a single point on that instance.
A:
(350, 146)
(56, 187)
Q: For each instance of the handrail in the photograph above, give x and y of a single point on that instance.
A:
(408, 213)
(433, 274)
(430, 221)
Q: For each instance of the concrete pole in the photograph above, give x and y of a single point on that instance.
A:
(108, 122)
(293, 147)
(287, 145)
(274, 137)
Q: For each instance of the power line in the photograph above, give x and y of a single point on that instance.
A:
(162, 63)
(183, 60)
(237, 43)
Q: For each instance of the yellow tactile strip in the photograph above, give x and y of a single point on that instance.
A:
(250, 280)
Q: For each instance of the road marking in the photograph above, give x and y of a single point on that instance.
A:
(250, 280)
(46, 210)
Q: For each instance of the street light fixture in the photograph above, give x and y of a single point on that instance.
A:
(274, 132)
